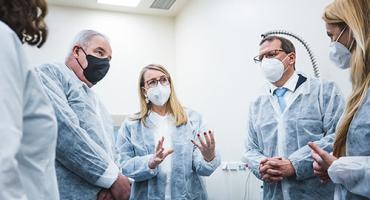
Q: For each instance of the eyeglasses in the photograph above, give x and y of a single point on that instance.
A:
(154, 82)
(269, 54)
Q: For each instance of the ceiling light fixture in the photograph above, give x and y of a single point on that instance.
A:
(128, 3)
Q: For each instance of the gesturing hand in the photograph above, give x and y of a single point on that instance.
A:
(322, 161)
(207, 147)
(160, 154)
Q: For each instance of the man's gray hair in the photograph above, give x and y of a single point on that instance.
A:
(83, 38)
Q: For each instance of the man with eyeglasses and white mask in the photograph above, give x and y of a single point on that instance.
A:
(293, 110)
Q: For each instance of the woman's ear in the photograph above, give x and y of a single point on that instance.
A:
(143, 90)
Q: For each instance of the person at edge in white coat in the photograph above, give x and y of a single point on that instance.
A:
(28, 128)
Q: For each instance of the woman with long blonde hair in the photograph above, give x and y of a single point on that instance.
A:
(348, 24)
(158, 145)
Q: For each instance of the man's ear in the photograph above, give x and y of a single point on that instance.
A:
(292, 58)
(75, 51)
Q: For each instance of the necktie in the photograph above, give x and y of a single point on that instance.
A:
(279, 92)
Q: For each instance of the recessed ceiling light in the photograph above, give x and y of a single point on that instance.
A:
(128, 3)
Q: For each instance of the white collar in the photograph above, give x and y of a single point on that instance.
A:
(290, 84)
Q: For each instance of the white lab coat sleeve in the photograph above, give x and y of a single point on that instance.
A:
(133, 166)
(254, 153)
(353, 172)
(11, 109)
(76, 149)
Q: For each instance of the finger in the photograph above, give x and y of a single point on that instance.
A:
(201, 141)
(326, 177)
(207, 139)
(323, 154)
(273, 163)
(167, 152)
(161, 141)
(160, 153)
(102, 195)
(274, 172)
(264, 168)
(158, 145)
(319, 173)
(212, 137)
(316, 157)
(316, 166)
(277, 158)
(197, 145)
(269, 178)
(263, 161)
(265, 177)
(158, 160)
(109, 196)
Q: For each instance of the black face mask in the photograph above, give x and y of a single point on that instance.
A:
(96, 68)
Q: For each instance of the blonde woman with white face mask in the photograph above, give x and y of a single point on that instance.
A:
(165, 148)
(347, 25)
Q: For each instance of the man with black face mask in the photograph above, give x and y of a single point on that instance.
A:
(85, 156)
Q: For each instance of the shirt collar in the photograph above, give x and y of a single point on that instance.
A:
(290, 84)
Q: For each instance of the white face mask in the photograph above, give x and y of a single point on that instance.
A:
(339, 54)
(273, 69)
(159, 95)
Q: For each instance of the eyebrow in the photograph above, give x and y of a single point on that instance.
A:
(155, 78)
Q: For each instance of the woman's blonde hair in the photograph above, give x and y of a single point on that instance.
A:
(355, 14)
(173, 105)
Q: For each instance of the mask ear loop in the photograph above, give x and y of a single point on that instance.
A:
(146, 96)
(353, 41)
(285, 58)
(351, 45)
(83, 69)
(341, 33)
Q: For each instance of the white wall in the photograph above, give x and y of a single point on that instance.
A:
(137, 40)
(209, 49)
(215, 43)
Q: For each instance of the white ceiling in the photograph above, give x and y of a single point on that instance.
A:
(142, 8)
